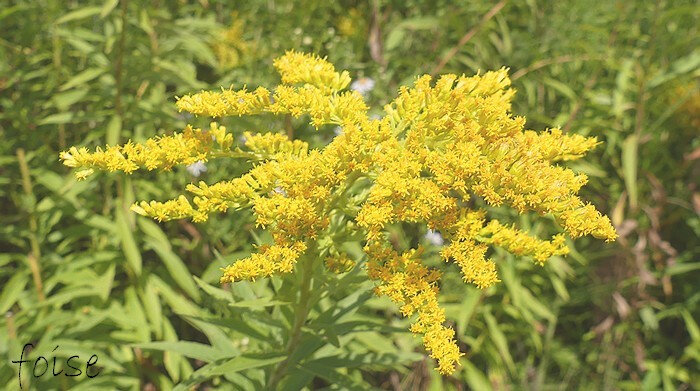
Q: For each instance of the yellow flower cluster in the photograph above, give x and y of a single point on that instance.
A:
(229, 47)
(295, 67)
(439, 146)
(157, 153)
(226, 102)
(268, 261)
(412, 286)
(520, 243)
(339, 263)
(340, 109)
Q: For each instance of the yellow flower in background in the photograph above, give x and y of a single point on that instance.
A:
(689, 112)
(229, 47)
(352, 23)
(440, 144)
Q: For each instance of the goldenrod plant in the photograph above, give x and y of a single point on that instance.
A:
(439, 146)
(82, 275)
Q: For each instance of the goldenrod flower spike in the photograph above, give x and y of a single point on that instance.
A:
(225, 103)
(439, 145)
(413, 287)
(554, 146)
(161, 153)
(336, 108)
(274, 145)
(296, 67)
(268, 261)
(520, 243)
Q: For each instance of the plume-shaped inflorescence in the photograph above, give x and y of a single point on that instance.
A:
(438, 145)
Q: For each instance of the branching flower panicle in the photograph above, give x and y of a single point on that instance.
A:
(439, 145)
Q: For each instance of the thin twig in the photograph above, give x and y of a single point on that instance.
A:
(463, 41)
(549, 61)
(375, 36)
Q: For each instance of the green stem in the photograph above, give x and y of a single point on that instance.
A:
(118, 67)
(340, 192)
(301, 312)
(235, 154)
(34, 256)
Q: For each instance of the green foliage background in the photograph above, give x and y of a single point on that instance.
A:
(80, 271)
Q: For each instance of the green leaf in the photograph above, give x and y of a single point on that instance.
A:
(240, 363)
(330, 374)
(499, 339)
(394, 38)
(246, 361)
(681, 268)
(11, 291)
(114, 128)
(63, 100)
(466, 310)
(560, 288)
(128, 244)
(649, 317)
(561, 88)
(107, 7)
(622, 83)
(236, 324)
(105, 282)
(259, 303)
(177, 269)
(681, 66)
(189, 349)
(183, 307)
(81, 13)
(590, 169)
(535, 305)
(398, 33)
(53, 119)
(691, 325)
(82, 77)
(139, 330)
(145, 22)
(475, 378)
(352, 360)
(154, 310)
(213, 291)
(153, 230)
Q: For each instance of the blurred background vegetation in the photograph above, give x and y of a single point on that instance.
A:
(78, 270)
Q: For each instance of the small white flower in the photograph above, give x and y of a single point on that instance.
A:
(362, 85)
(197, 168)
(280, 190)
(338, 130)
(434, 238)
(307, 40)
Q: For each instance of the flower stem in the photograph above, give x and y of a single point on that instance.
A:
(301, 312)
